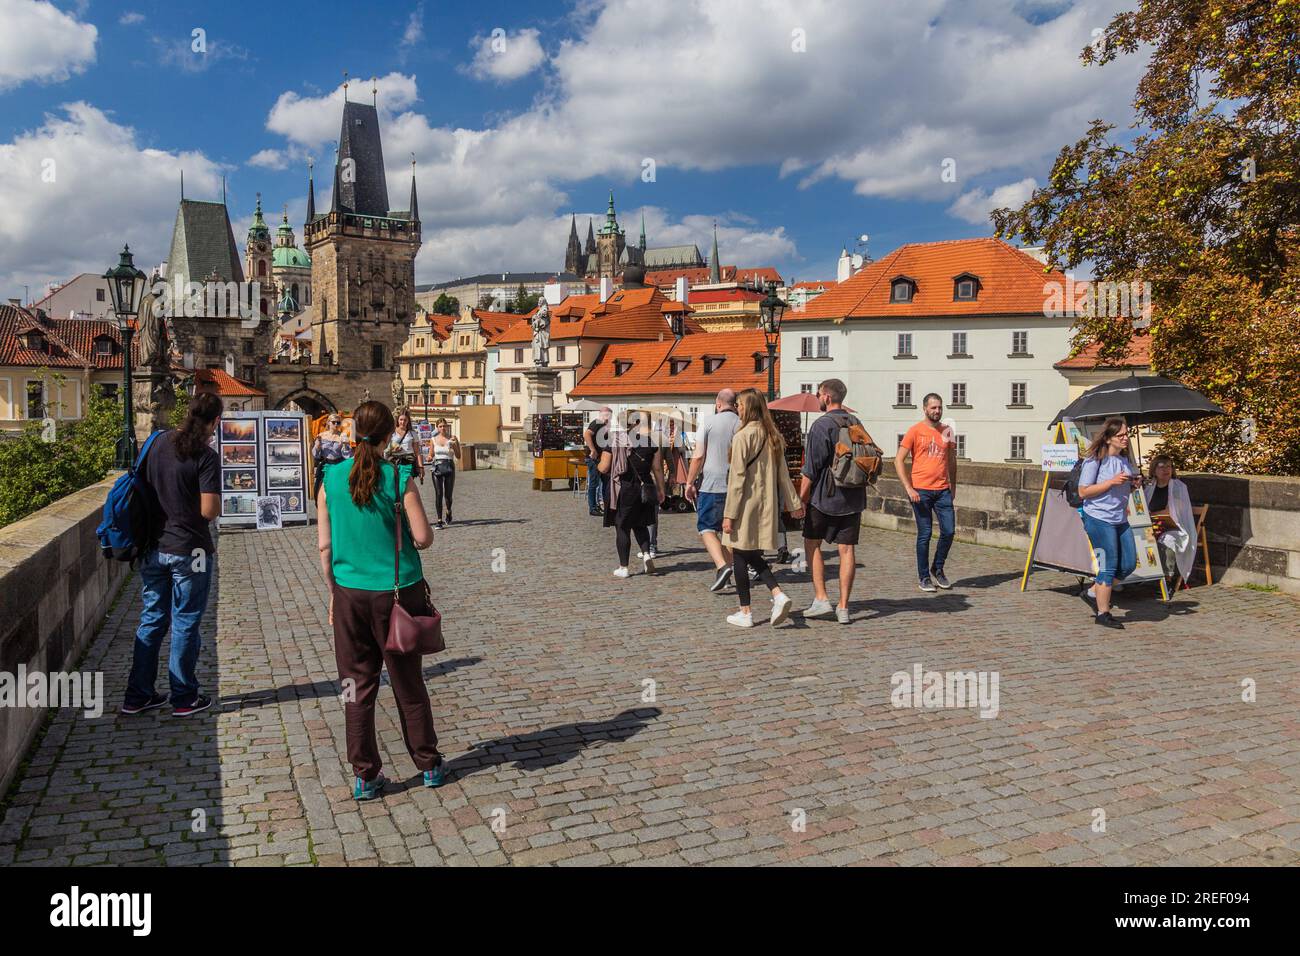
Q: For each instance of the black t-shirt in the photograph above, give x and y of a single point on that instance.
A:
(1159, 499)
(818, 455)
(599, 432)
(178, 485)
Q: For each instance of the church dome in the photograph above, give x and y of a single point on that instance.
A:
(289, 257)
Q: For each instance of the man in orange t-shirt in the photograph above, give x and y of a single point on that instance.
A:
(930, 487)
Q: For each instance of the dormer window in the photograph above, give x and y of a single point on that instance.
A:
(965, 287)
(760, 361)
(621, 366)
(104, 345)
(34, 341)
(712, 363)
(678, 365)
(902, 289)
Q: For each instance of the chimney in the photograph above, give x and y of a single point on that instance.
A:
(682, 291)
(606, 288)
(553, 292)
(17, 302)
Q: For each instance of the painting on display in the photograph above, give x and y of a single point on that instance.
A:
(284, 429)
(283, 476)
(292, 502)
(238, 505)
(238, 454)
(238, 430)
(283, 453)
(268, 513)
(239, 479)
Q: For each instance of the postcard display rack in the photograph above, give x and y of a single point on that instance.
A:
(788, 424)
(263, 454)
(556, 431)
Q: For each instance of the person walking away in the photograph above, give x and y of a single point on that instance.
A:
(758, 490)
(834, 513)
(1169, 504)
(931, 487)
(596, 437)
(404, 446)
(635, 465)
(358, 518)
(709, 465)
(446, 449)
(184, 474)
(1105, 483)
(331, 445)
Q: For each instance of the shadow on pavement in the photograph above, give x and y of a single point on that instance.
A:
(552, 746)
(327, 688)
(987, 580)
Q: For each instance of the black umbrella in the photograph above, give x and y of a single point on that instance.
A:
(1140, 399)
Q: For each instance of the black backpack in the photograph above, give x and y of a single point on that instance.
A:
(1072, 496)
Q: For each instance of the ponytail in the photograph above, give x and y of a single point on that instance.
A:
(373, 423)
(191, 437)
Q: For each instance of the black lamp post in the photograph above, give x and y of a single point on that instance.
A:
(126, 287)
(425, 390)
(771, 310)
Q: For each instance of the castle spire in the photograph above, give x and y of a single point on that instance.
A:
(643, 230)
(415, 209)
(715, 271)
(338, 188)
(311, 194)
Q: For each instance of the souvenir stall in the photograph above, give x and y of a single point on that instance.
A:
(264, 469)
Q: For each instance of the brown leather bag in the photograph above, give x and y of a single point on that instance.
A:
(409, 633)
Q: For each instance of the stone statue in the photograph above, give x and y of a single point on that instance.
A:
(151, 332)
(541, 335)
(397, 393)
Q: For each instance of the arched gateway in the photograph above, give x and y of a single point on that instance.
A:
(307, 400)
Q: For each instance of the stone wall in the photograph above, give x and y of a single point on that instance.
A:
(1253, 525)
(510, 455)
(55, 587)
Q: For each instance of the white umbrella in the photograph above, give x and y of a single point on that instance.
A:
(581, 405)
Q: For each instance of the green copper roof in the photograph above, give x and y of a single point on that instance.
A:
(290, 257)
(258, 229)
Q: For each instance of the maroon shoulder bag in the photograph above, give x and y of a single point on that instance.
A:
(409, 633)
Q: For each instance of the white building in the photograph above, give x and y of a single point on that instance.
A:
(83, 297)
(967, 319)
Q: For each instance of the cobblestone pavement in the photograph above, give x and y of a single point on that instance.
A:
(559, 755)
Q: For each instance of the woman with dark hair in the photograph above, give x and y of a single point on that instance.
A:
(183, 478)
(1170, 506)
(362, 506)
(635, 465)
(759, 488)
(1105, 483)
(444, 450)
(404, 446)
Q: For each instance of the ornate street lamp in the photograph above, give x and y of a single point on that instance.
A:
(425, 390)
(126, 287)
(771, 310)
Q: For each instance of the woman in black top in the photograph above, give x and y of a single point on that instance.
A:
(636, 491)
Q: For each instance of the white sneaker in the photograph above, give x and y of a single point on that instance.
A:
(620, 572)
(741, 619)
(780, 608)
(819, 608)
(648, 562)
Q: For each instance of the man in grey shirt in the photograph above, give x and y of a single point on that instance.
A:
(712, 458)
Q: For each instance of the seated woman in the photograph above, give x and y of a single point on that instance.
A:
(1171, 509)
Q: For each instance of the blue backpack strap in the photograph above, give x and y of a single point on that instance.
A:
(148, 443)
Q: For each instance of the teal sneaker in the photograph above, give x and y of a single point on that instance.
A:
(437, 776)
(368, 790)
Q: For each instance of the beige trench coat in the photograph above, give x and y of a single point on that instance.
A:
(752, 492)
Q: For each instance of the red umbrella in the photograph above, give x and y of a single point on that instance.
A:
(799, 402)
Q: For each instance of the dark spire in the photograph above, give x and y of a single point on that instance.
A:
(573, 261)
(643, 231)
(311, 194)
(415, 207)
(334, 199)
(715, 271)
(590, 247)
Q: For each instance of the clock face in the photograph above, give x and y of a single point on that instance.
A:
(261, 247)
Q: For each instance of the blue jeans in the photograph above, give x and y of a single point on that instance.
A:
(933, 503)
(596, 490)
(1118, 555)
(175, 595)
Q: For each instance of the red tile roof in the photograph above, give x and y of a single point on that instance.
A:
(493, 324)
(227, 386)
(71, 342)
(1011, 282)
(700, 276)
(652, 365)
(726, 295)
(628, 314)
(1137, 356)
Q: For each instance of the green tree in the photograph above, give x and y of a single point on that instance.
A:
(35, 473)
(446, 305)
(1201, 200)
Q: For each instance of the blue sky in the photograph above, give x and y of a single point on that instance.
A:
(796, 125)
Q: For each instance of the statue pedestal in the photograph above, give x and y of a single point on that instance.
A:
(541, 393)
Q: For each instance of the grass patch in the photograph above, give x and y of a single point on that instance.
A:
(1266, 588)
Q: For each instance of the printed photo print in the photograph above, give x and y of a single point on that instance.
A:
(280, 476)
(284, 429)
(239, 479)
(284, 454)
(238, 505)
(238, 430)
(239, 454)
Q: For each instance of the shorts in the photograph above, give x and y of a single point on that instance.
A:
(833, 529)
(708, 511)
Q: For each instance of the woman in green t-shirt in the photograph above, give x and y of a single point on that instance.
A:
(356, 528)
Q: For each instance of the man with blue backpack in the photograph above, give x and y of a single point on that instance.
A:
(159, 515)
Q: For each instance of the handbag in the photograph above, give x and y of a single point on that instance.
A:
(409, 633)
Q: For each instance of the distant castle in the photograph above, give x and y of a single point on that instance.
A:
(607, 253)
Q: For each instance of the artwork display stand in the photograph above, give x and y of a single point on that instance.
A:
(1058, 541)
(263, 454)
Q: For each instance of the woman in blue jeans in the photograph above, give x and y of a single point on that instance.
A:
(1105, 483)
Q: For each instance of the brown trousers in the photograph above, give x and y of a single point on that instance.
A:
(360, 628)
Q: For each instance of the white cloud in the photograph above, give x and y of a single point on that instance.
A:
(975, 205)
(503, 56)
(269, 159)
(41, 43)
(414, 31)
(131, 18)
(314, 120)
(179, 53)
(55, 230)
